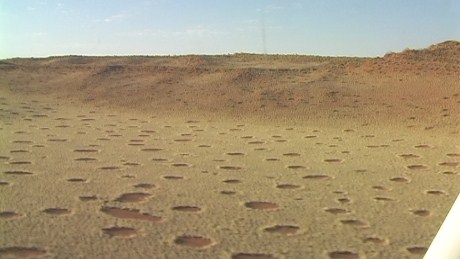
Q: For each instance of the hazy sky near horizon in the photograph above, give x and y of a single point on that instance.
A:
(40, 28)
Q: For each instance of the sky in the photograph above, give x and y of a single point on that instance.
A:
(41, 28)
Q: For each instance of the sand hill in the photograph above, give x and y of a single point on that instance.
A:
(269, 86)
(231, 156)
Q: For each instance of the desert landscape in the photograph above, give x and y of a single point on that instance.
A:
(230, 156)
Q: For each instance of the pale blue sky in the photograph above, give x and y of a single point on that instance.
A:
(41, 28)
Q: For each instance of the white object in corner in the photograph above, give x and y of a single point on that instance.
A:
(446, 243)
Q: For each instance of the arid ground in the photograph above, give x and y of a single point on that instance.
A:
(232, 156)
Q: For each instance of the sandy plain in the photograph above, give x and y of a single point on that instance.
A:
(234, 156)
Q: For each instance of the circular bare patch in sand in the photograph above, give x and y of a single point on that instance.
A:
(148, 131)
(355, 223)
(252, 256)
(380, 198)
(57, 140)
(20, 163)
(133, 197)
(231, 181)
(22, 141)
(343, 255)
(344, 200)
(235, 154)
(418, 250)
(18, 172)
(88, 198)
(292, 154)
(131, 164)
(228, 192)
(261, 205)
(124, 232)
(317, 177)
(145, 185)
(160, 159)
(86, 150)
(187, 208)
(20, 251)
(230, 167)
(400, 179)
(173, 177)
(183, 140)
(435, 192)
(333, 160)
(85, 159)
(181, 165)
(379, 187)
(422, 146)
(57, 211)
(288, 186)
(336, 211)
(282, 229)
(421, 212)
(260, 149)
(76, 180)
(126, 213)
(451, 164)
(256, 142)
(9, 214)
(408, 156)
(194, 241)
(296, 167)
(136, 140)
(151, 149)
